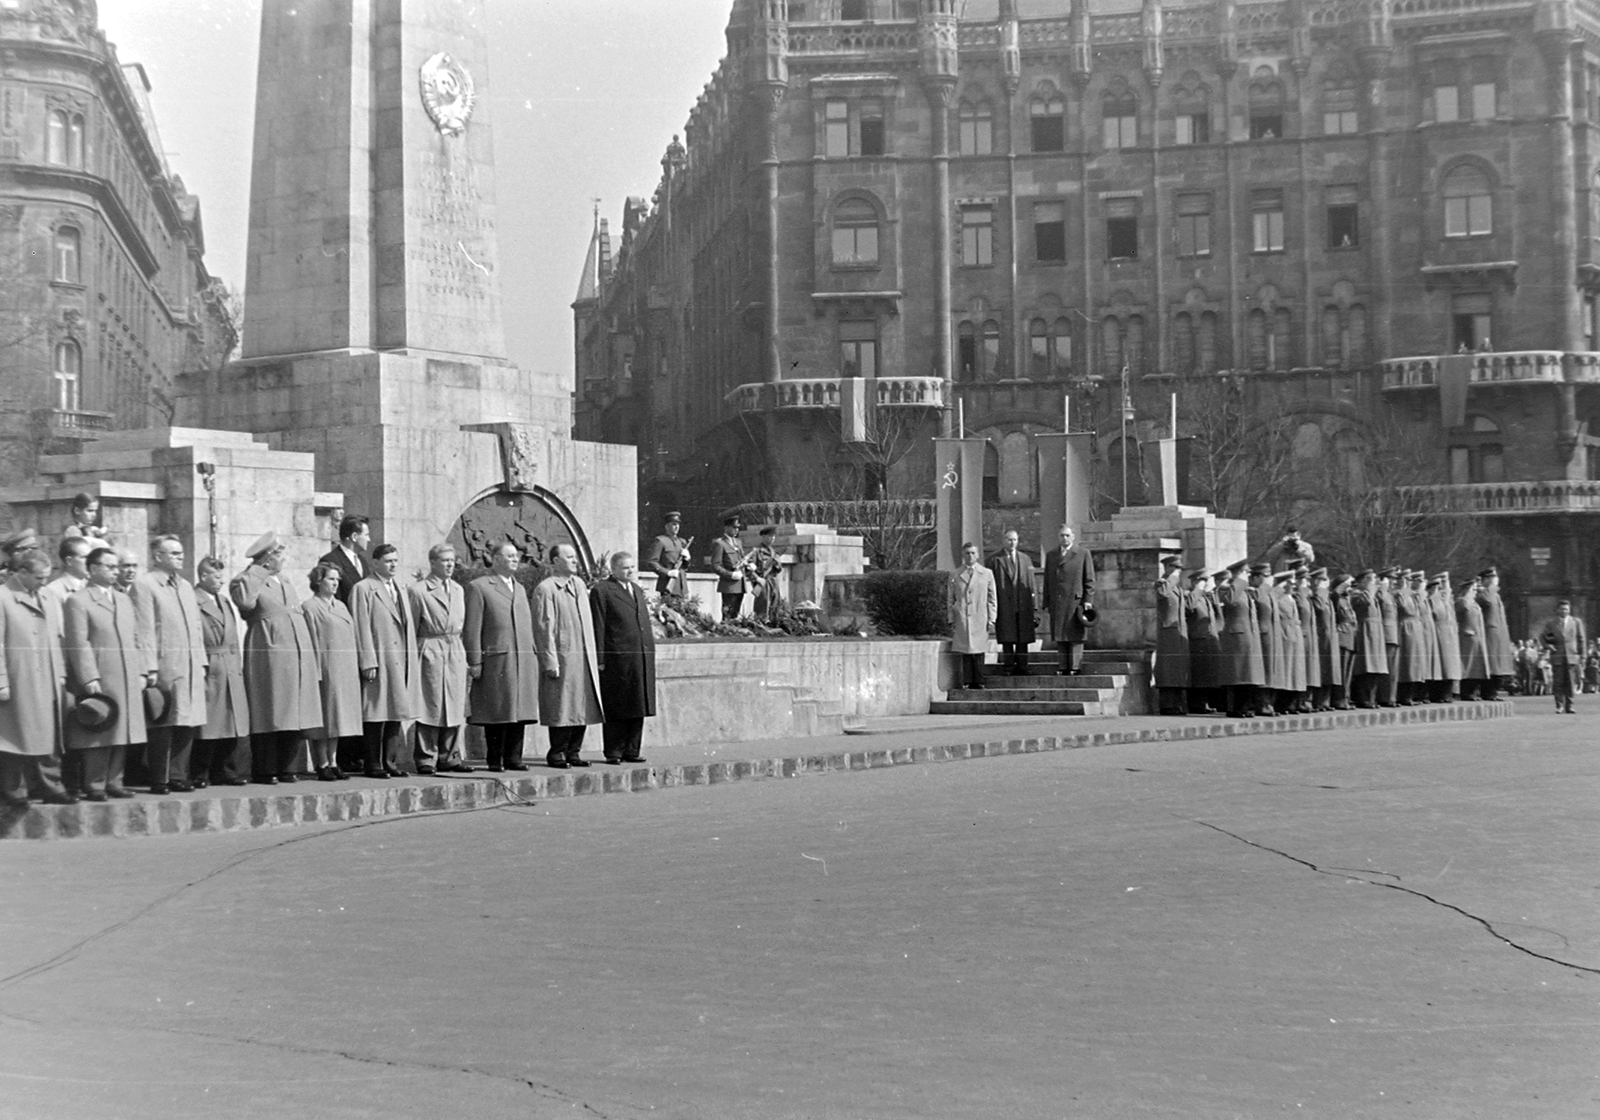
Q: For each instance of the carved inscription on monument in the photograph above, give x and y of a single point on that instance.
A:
(451, 248)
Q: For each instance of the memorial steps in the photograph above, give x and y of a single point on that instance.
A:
(1113, 682)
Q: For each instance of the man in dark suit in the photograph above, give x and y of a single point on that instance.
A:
(669, 556)
(1068, 586)
(350, 556)
(1566, 640)
(1013, 584)
(727, 560)
(627, 643)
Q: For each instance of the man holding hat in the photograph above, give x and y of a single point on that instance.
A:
(1172, 672)
(280, 663)
(1564, 637)
(108, 666)
(31, 677)
(1068, 590)
(669, 555)
(169, 624)
(1496, 634)
(727, 560)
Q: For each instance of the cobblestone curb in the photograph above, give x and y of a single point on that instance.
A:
(215, 813)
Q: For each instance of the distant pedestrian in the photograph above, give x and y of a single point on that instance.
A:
(627, 644)
(569, 659)
(972, 605)
(1564, 641)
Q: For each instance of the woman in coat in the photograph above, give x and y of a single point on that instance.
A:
(333, 636)
(105, 654)
(972, 606)
(223, 743)
(280, 665)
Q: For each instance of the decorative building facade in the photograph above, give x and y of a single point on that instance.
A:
(887, 219)
(104, 294)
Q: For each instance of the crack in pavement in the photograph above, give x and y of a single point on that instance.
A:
(1395, 886)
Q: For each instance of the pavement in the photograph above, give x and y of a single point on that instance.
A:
(1383, 922)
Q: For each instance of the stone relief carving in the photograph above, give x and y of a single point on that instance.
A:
(447, 93)
(71, 21)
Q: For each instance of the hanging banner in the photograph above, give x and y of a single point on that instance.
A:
(1066, 482)
(1167, 462)
(855, 397)
(958, 501)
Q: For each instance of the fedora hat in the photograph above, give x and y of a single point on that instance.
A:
(97, 712)
(155, 703)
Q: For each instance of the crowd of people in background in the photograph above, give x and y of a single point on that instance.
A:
(107, 672)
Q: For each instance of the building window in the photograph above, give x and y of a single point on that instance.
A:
(68, 370)
(1194, 128)
(966, 352)
(1471, 316)
(858, 348)
(1468, 207)
(977, 129)
(1447, 102)
(1119, 119)
(1483, 101)
(1266, 221)
(1047, 124)
(872, 131)
(837, 129)
(1050, 232)
(1194, 225)
(991, 475)
(1266, 110)
(991, 348)
(1344, 225)
(1122, 238)
(977, 236)
(1061, 347)
(855, 233)
(1483, 458)
(1340, 116)
(853, 10)
(1183, 343)
(65, 265)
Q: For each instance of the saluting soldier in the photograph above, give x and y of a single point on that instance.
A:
(1496, 634)
(1383, 594)
(1444, 624)
(1344, 621)
(1172, 674)
(1310, 638)
(1291, 639)
(1413, 642)
(1273, 664)
(1475, 683)
(1371, 661)
(1204, 619)
(669, 555)
(1430, 637)
(1244, 667)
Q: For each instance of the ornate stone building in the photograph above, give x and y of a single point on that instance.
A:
(104, 294)
(1296, 208)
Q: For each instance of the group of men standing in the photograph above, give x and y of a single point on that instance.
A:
(1249, 640)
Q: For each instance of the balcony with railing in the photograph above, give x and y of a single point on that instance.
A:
(824, 393)
(75, 424)
(1508, 499)
(1499, 367)
(844, 517)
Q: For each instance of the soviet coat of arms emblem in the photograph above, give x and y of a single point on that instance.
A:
(447, 93)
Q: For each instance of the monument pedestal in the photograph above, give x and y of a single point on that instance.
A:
(818, 552)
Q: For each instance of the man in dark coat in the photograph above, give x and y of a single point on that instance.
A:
(1172, 672)
(1068, 587)
(669, 556)
(1244, 671)
(1389, 612)
(350, 556)
(1566, 640)
(1475, 682)
(1344, 621)
(1326, 648)
(1273, 665)
(1496, 634)
(1203, 617)
(1371, 661)
(627, 642)
(1013, 586)
(502, 670)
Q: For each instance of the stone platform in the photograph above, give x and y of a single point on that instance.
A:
(905, 742)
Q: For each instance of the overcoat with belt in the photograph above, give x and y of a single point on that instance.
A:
(1430, 635)
(1328, 670)
(1413, 654)
(627, 644)
(1496, 634)
(1172, 668)
(971, 604)
(1068, 583)
(103, 643)
(1204, 618)
(333, 633)
(1274, 658)
(280, 664)
(1291, 640)
(1370, 655)
(1469, 628)
(563, 635)
(498, 638)
(169, 620)
(1310, 637)
(227, 707)
(386, 640)
(1444, 624)
(1242, 660)
(31, 667)
(1013, 588)
(439, 607)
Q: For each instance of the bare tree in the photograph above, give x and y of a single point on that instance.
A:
(1242, 456)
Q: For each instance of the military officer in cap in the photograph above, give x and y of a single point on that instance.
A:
(727, 560)
(1388, 612)
(280, 663)
(1172, 639)
(1475, 683)
(1371, 663)
(1496, 634)
(1344, 622)
(18, 545)
(1449, 641)
(1204, 619)
(669, 556)
(1243, 667)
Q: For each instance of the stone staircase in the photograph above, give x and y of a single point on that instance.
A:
(1113, 682)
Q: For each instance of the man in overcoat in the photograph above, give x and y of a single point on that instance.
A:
(386, 652)
(1273, 656)
(1388, 611)
(1172, 670)
(1203, 617)
(1496, 634)
(669, 555)
(105, 655)
(1068, 593)
(569, 659)
(972, 606)
(1371, 665)
(1013, 587)
(1413, 642)
(439, 607)
(503, 693)
(1444, 624)
(1474, 653)
(627, 645)
(1565, 638)
(32, 674)
(350, 555)
(280, 663)
(1344, 621)
(223, 747)
(727, 560)
(169, 620)
(1244, 666)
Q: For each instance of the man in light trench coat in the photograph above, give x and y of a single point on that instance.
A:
(569, 659)
(386, 651)
(972, 606)
(169, 621)
(498, 636)
(439, 606)
(32, 674)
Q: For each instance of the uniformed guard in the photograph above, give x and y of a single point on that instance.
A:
(669, 556)
(1172, 639)
(1207, 695)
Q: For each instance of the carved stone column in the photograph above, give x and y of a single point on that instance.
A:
(941, 92)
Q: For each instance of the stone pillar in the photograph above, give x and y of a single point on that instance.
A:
(1556, 37)
(941, 68)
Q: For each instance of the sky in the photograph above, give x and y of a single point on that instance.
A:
(586, 95)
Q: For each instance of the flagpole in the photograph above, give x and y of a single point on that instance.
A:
(1124, 441)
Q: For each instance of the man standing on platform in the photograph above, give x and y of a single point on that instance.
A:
(169, 623)
(1013, 587)
(1413, 642)
(32, 674)
(1388, 611)
(386, 651)
(727, 560)
(1244, 668)
(1449, 641)
(504, 675)
(1370, 664)
(439, 607)
(350, 555)
(280, 663)
(106, 657)
(1566, 640)
(627, 644)
(972, 606)
(1204, 619)
(1344, 621)
(74, 577)
(1274, 663)
(1068, 588)
(1474, 653)
(1172, 671)
(224, 742)
(669, 556)
(1496, 634)
(569, 659)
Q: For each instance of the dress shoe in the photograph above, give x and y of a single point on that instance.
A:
(396, 772)
(376, 774)
(976, 686)
(287, 778)
(121, 793)
(160, 791)
(266, 780)
(458, 768)
(494, 768)
(516, 766)
(201, 783)
(424, 770)
(18, 803)
(62, 798)
(182, 787)
(612, 761)
(576, 762)
(641, 759)
(326, 775)
(338, 774)
(556, 765)
(234, 782)
(96, 795)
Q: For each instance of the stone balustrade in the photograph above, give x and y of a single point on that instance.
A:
(1497, 367)
(72, 423)
(845, 517)
(1508, 498)
(853, 38)
(823, 392)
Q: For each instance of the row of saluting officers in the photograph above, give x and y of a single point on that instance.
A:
(1249, 641)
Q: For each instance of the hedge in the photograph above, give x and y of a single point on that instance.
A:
(907, 604)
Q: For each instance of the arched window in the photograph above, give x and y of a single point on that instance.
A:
(1038, 349)
(1192, 125)
(1340, 112)
(65, 263)
(1119, 117)
(991, 474)
(966, 351)
(68, 371)
(1468, 206)
(1332, 338)
(1206, 345)
(55, 137)
(855, 233)
(991, 348)
(1266, 109)
(977, 129)
(1047, 123)
(852, 9)
(1133, 347)
(1282, 339)
(1257, 345)
(1061, 347)
(1355, 338)
(1016, 467)
(75, 141)
(1111, 350)
(1183, 343)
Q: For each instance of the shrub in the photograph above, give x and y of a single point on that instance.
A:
(907, 604)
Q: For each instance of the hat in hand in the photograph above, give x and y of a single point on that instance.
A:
(155, 703)
(96, 713)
